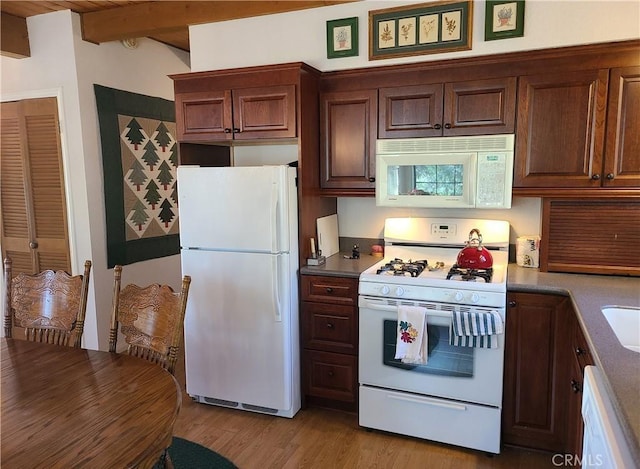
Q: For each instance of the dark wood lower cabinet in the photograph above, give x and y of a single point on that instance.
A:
(329, 326)
(534, 412)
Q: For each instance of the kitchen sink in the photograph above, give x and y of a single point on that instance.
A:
(625, 322)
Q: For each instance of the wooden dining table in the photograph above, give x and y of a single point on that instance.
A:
(65, 408)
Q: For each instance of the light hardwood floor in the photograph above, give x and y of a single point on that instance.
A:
(325, 439)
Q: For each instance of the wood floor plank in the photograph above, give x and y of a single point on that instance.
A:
(327, 439)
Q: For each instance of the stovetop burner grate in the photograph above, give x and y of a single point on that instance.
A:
(467, 274)
(402, 268)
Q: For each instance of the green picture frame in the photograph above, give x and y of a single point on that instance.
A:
(342, 38)
(426, 28)
(503, 19)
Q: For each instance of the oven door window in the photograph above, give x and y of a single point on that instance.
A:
(443, 359)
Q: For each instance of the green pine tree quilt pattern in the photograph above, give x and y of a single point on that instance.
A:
(149, 162)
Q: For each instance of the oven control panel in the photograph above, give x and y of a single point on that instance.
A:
(442, 295)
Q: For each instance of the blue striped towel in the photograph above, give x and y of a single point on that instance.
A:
(475, 329)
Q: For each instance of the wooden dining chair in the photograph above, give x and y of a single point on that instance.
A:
(49, 305)
(151, 319)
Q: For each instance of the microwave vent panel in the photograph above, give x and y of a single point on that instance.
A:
(447, 144)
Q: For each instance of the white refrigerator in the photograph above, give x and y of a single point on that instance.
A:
(239, 244)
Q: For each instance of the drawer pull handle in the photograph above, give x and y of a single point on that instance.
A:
(329, 325)
(329, 290)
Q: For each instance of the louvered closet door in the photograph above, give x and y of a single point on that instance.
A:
(34, 219)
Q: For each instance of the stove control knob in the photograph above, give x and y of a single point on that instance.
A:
(459, 296)
(475, 298)
(384, 290)
(399, 291)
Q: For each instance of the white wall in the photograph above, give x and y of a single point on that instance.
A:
(301, 36)
(62, 64)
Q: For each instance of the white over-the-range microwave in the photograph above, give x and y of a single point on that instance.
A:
(445, 172)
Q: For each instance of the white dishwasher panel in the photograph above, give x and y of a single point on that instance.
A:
(603, 445)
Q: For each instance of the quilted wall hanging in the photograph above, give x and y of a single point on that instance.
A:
(140, 159)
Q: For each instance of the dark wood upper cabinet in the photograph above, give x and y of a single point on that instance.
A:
(239, 114)
(476, 107)
(410, 111)
(204, 116)
(622, 147)
(561, 129)
(347, 141)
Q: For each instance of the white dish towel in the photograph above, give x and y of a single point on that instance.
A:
(412, 341)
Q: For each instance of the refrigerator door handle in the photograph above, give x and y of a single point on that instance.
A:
(273, 218)
(276, 288)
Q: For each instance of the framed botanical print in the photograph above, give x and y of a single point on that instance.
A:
(420, 29)
(503, 19)
(342, 38)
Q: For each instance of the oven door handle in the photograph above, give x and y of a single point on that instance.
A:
(429, 401)
(393, 309)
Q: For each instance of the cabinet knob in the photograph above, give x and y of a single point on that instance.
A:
(33, 245)
(610, 176)
(575, 386)
(236, 130)
(447, 126)
(595, 177)
(579, 351)
(372, 179)
(329, 290)
(330, 373)
(512, 304)
(437, 126)
(329, 325)
(227, 130)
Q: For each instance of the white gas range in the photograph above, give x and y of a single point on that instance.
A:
(456, 397)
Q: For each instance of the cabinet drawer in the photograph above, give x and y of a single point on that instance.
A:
(330, 327)
(337, 290)
(331, 375)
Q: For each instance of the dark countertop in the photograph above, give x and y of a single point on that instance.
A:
(338, 266)
(620, 367)
(588, 293)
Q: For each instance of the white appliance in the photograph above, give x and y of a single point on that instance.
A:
(603, 442)
(239, 244)
(445, 172)
(456, 397)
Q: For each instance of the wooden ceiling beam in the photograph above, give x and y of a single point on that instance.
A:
(14, 36)
(153, 18)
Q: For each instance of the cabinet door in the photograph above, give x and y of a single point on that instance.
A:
(480, 107)
(622, 158)
(204, 116)
(265, 112)
(410, 111)
(560, 130)
(348, 139)
(535, 397)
